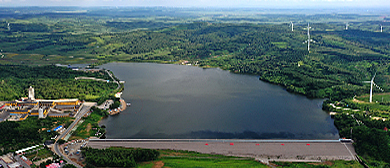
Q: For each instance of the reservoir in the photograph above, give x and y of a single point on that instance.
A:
(176, 101)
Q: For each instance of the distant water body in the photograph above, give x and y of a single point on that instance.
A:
(174, 101)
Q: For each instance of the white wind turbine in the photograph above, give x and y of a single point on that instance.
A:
(372, 84)
(346, 26)
(292, 26)
(308, 37)
(381, 28)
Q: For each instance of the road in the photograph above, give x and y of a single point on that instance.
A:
(103, 80)
(90, 78)
(113, 79)
(259, 149)
(86, 107)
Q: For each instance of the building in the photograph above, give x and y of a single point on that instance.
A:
(31, 95)
(67, 102)
(14, 165)
(23, 117)
(26, 160)
(41, 112)
(6, 159)
(49, 103)
(58, 115)
(17, 112)
(21, 109)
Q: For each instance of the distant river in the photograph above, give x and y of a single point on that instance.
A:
(174, 101)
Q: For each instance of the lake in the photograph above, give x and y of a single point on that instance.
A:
(177, 101)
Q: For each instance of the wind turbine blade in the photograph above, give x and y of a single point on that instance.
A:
(366, 81)
(377, 86)
(373, 77)
(380, 88)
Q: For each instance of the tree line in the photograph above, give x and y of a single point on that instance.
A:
(117, 157)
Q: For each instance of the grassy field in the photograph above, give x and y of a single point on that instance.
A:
(185, 159)
(88, 128)
(39, 155)
(376, 97)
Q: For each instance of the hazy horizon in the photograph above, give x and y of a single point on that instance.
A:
(205, 3)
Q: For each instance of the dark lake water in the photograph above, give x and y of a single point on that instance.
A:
(174, 101)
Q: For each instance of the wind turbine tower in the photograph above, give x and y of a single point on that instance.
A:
(346, 26)
(381, 28)
(372, 84)
(9, 28)
(308, 37)
(292, 26)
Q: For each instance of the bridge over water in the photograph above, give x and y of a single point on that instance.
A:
(269, 150)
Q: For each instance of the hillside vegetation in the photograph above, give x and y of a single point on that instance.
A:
(51, 82)
(334, 68)
(239, 40)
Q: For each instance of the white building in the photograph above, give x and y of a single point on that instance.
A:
(31, 95)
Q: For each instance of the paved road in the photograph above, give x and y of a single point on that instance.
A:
(86, 107)
(113, 79)
(103, 80)
(283, 149)
(90, 78)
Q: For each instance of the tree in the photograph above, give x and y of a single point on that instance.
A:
(61, 141)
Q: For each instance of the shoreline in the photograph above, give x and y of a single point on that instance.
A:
(123, 104)
(122, 108)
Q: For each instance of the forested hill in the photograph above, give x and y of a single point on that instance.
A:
(335, 67)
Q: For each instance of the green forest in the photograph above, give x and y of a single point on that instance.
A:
(32, 131)
(239, 40)
(51, 82)
(334, 68)
(117, 157)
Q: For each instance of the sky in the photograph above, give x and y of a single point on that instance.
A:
(204, 3)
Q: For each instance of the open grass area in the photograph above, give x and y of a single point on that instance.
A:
(88, 128)
(209, 162)
(90, 125)
(378, 108)
(40, 59)
(376, 97)
(39, 155)
(187, 159)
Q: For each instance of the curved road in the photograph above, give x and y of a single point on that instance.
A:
(86, 107)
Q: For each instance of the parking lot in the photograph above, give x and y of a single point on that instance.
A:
(73, 149)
